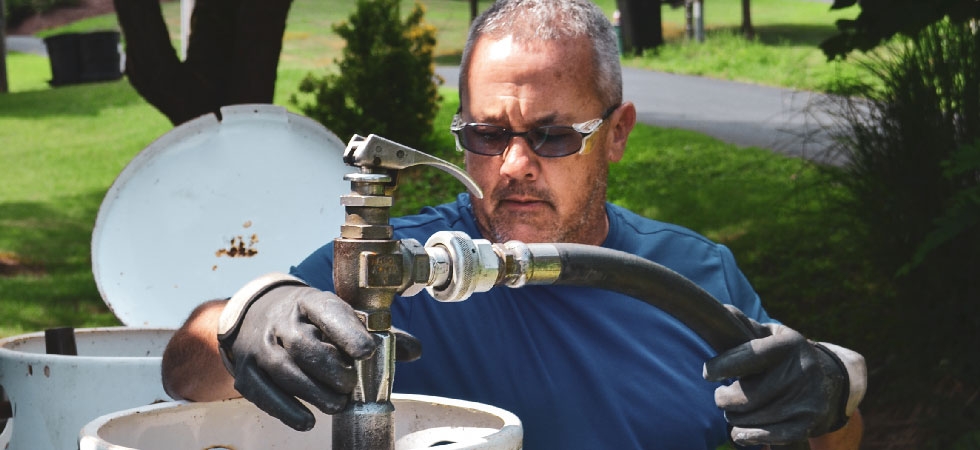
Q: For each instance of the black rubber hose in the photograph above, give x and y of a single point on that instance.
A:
(587, 265)
(656, 285)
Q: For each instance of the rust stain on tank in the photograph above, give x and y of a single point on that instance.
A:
(247, 224)
(239, 247)
(47, 371)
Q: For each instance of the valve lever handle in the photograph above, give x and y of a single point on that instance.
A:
(375, 151)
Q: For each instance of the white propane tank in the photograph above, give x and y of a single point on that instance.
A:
(53, 395)
(420, 422)
(194, 216)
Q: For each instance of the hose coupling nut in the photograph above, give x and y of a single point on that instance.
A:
(475, 266)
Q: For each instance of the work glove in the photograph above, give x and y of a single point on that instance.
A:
(788, 388)
(297, 342)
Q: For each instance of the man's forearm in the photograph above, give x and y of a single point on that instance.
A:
(846, 438)
(192, 367)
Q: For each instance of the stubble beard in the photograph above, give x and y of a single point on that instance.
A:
(581, 225)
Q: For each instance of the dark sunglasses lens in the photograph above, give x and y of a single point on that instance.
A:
(553, 142)
(484, 139)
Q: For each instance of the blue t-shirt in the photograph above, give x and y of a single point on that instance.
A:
(582, 368)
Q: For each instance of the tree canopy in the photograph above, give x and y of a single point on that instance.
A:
(879, 20)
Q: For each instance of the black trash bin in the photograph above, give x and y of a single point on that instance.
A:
(83, 57)
(63, 54)
(99, 54)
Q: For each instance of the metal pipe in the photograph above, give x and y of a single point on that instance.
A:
(368, 423)
(368, 271)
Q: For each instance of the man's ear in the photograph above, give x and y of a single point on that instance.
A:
(621, 124)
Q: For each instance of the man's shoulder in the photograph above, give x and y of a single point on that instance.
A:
(708, 264)
(633, 229)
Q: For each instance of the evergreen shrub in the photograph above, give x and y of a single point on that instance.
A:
(386, 83)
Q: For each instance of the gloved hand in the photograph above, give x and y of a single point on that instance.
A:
(788, 388)
(300, 342)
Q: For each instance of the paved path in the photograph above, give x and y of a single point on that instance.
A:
(26, 44)
(739, 113)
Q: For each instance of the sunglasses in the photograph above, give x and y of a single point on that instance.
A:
(549, 141)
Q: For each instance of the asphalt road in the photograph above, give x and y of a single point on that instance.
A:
(26, 44)
(783, 120)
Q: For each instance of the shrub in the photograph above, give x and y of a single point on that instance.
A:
(386, 83)
(914, 183)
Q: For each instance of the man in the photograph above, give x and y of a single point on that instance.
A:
(541, 118)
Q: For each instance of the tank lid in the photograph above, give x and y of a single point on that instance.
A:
(212, 204)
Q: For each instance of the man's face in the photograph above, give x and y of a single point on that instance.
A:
(528, 197)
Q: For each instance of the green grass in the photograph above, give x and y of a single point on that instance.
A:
(60, 149)
(784, 52)
(775, 213)
(726, 54)
(764, 13)
(27, 72)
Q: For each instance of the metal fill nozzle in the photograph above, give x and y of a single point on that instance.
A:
(377, 152)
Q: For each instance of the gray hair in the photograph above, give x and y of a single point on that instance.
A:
(550, 20)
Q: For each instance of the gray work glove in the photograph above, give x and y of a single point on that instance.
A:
(297, 342)
(788, 388)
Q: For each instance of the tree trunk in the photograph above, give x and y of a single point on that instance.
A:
(231, 59)
(747, 29)
(640, 24)
(473, 9)
(3, 51)
(689, 19)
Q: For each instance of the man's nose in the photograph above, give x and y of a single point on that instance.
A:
(520, 162)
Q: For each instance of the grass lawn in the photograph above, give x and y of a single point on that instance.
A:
(784, 52)
(60, 149)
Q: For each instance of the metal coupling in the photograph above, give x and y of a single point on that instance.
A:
(460, 266)
(475, 266)
(529, 263)
(417, 263)
(440, 266)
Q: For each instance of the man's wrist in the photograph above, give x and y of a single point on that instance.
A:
(234, 311)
